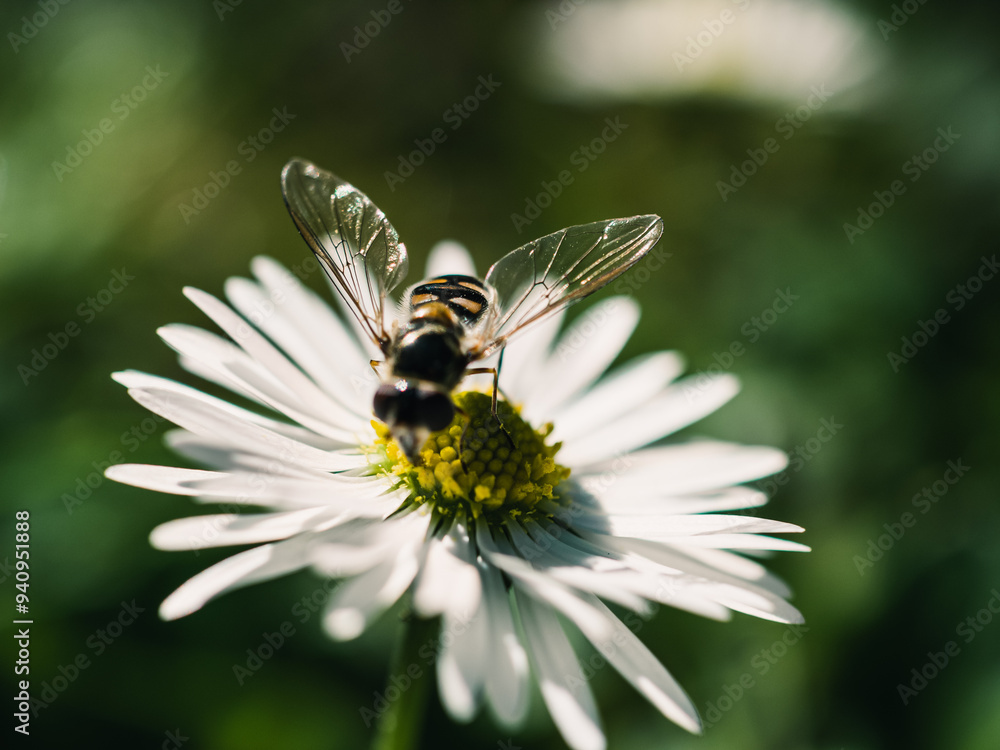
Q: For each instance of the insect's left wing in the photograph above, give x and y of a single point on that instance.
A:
(351, 237)
(560, 268)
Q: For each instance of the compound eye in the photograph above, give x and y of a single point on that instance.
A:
(386, 403)
(436, 410)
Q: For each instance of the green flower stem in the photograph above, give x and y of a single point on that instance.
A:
(399, 726)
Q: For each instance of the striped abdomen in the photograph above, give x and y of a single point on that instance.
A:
(466, 296)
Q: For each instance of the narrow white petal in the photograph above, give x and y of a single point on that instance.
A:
(250, 300)
(203, 418)
(315, 317)
(615, 502)
(462, 664)
(133, 379)
(712, 564)
(224, 529)
(682, 468)
(202, 352)
(366, 496)
(448, 578)
(583, 353)
(674, 409)
(739, 541)
(258, 564)
(449, 257)
(359, 601)
(507, 674)
(670, 528)
(265, 353)
(563, 686)
(574, 568)
(526, 355)
(220, 454)
(635, 662)
(759, 603)
(630, 386)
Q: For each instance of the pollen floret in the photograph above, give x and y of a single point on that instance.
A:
(470, 465)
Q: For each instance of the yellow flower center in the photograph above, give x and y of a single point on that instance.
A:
(470, 465)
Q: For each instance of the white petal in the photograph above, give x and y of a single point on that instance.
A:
(244, 375)
(249, 299)
(359, 545)
(206, 354)
(583, 352)
(626, 504)
(525, 356)
(739, 541)
(666, 414)
(133, 379)
(219, 454)
(572, 567)
(250, 340)
(224, 529)
(449, 257)
(714, 564)
(633, 385)
(664, 528)
(203, 418)
(258, 564)
(359, 601)
(682, 468)
(462, 664)
(560, 678)
(507, 673)
(635, 662)
(346, 363)
(448, 578)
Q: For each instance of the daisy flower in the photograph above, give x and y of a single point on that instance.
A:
(511, 546)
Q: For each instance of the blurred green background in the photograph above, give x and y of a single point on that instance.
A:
(181, 87)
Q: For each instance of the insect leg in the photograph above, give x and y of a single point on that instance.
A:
(374, 364)
(496, 387)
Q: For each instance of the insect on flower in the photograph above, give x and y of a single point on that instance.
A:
(453, 321)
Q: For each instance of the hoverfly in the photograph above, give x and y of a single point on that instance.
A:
(449, 322)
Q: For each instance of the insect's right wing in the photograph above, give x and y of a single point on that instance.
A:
(357, 246)
(560, 268)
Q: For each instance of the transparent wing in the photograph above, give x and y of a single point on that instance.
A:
(556, 270)
(350, 235)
